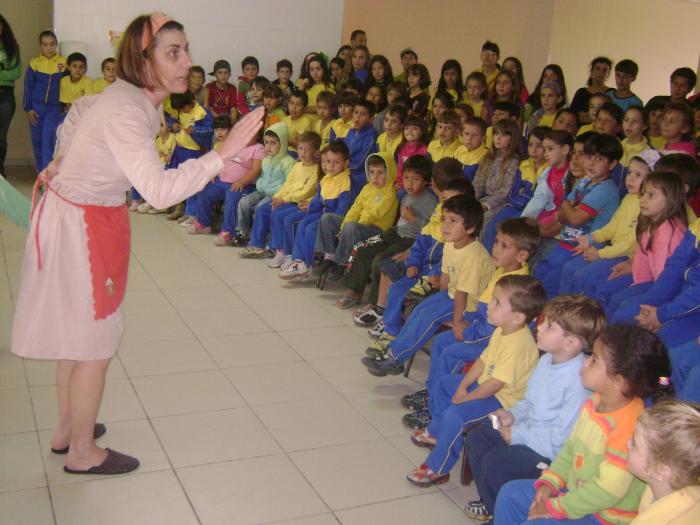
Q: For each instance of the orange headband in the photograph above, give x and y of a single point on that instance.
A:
(157, 21)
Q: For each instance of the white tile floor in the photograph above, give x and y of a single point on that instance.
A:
(243, 398)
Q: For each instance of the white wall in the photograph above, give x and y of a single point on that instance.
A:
(229, 29)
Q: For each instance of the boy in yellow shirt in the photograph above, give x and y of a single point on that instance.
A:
(472, 149)
(325, 108)
(394, 119)
(341, 126)
(77, 84)
(447, 143)
(109, 75)
(297, 121)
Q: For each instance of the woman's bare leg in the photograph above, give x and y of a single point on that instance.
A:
(85, 389)
(61, 435)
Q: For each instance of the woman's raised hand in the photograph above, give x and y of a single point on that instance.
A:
(242, 133)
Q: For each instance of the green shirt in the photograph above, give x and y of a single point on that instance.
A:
(10, 70)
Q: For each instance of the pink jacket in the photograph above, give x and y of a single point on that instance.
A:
(647, 266)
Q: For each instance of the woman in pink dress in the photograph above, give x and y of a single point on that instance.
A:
(76, 260)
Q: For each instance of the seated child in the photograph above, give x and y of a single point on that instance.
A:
(109, 75)
(418, 80)
(472, 151)
(250, 68)
(466, 270)
(415, 207)
(517, 240)
(361, 141)
(496, 380)
(496, 173)
(664, 454)
(589, 206)
(332, 196)
(594, 104)
(446, 133)
(344, 123)
(655, 111)
(551, 100)
(298, 187)
(534, 430)
(373, 211)
(625, 73)
(475, 91)
(255, 96)
(394, 90)
(523, 187)
(222, 97)
(588, 481)
(414, 143)
(677, 128)
(594, 261)
(325, 108)
(283, 81)
(276, 165)
(391, 138)
(195, 84)
(297, 122)
(566, 120)
(165, 145)
(272, 98)
(235, 180)
(634, 126)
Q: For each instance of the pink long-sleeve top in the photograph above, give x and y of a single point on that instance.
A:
(647, 265)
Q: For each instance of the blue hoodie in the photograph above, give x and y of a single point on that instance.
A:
(361, 143)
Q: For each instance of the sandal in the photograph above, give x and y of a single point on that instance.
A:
(423, 439)
(97, 432)
(346, 301)
(115, 463)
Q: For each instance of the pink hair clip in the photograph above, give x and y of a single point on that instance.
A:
(664, 381)
(157, 21)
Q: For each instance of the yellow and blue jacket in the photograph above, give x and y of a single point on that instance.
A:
(333, 195)
(42, 82)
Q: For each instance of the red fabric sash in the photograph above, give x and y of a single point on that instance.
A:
(108, 243)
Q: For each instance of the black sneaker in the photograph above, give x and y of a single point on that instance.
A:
(416, 401)
(368, 318)
(239, 240)
(417, 420)
(476, 510)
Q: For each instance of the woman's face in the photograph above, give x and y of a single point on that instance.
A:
(600, 72)
(172, 61)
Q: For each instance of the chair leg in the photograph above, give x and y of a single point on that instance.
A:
(408, 365)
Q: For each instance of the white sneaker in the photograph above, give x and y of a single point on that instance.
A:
(296, 270)
(277, 260)
(287, 262)
(377, 330)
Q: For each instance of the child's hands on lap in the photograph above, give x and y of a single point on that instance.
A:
(620, 269)
(236, 186)
(303, 205)
(176, 127)
(582, 245)
(411, 271)
(505, 418)
(591, 254)
(505, 433)
(276, 202)
(402, 257)
(538, 509)
(648, 318)
(408, 215)
(458, 329)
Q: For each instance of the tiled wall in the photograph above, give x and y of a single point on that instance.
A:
(230, 29)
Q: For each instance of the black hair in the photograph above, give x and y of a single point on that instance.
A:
(688, 116)
(356, 33)
(355, 85)
(477, 122)
(604, 145)
(329, 98)
(460, 185)
(47, 32)
(397, 110)
(310, 137)
(448, 65)
(560, 138)
(686, 73)
(584, 137)
(272, 91)
(179, 100)
(369, 106)
(613, 110)
(346, 99)
(534, 98)
(284, 63)
(481, 78)
(301, 95)
(422, 72)
(594, 62)
(343, 48)
(512, 109)
(469, 209)
(655, 104)
(569, 111)
(524, 232)
(379, 106)
(338, 147)
(8, 40)
(639, 356)
(540, 132)
(76, 57)
(388, 73)
(420, 165)
(644, 113)
(193, 69)
(445, 169)
(491, 46)
(685, 166)
(376, 160)
(261, 82)
(250, 61)
(337, 60)
(222, 122)
(325, 76)
(627, 66)
(526, 294)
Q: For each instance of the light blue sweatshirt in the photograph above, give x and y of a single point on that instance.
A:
(275, 169)
(547, 414)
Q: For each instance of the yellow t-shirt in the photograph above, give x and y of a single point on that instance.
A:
(99, 85)
(658, 142)
(476, 106)
(389, 145)
(300, 184)
(296, 127)
(469, 268)
(314, 90)
(511, 359)
(341, 128)
(165, 148)
(71, 91)
(490, 79)
(631, 150)
(438, 151)
(584, 129)
(187, 120)
(470, 157)
(487, 294)
(547, 120)
(323, 131)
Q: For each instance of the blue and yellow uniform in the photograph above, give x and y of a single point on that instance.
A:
(41, 95)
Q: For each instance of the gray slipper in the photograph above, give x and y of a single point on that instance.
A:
(115, 463)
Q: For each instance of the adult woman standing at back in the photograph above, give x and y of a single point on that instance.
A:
(10, 71)
(599, 72)
(76, 259)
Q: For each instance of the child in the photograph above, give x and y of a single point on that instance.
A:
(472, 151)
(414, 143)
(221, 97)
(450, 81)
(496, 173)
(682, 83)
(588, 481)
(298, 187)
(361, 141)
(284, 70)
(595, 261)
(276, 165)
(594, 104)
(550, 73)
(250, 67)
(418, 84)
(516, 241)
(634, 125)
(335, 68)
(372, 212)
(319, 80)
(466, 270)
(625, 73)
(465, 112)
(395, 90)
(408, 57)
(344, 123)
(677, 128)
(380, 73)
(331, 197)
(589, 206)
(551, 100)
(297, 121)
(165, 145)
(109, 75)
(325, 108)
(506, 89)
(445, 143)
(475, 93)
(235, 180)
(496, 380)
(566, 120)
(355, 66)
(515, 66)
(534, 430)
(526, 177)
(391, 138)
(195, 83)
(503, 111)
(490, 53)
(655, 111)
(41, 92)
(608, 120)
(664, 454)
(272, 98)
(256, 92)
(416, 207)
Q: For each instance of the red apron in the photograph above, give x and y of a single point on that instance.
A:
(108, 245)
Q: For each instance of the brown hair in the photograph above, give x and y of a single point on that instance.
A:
(132, 61)
(526, 294)
(524, 232)
(671, 185)
(451, 118)
(672, 433)
(312, 138)
(578, 315)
